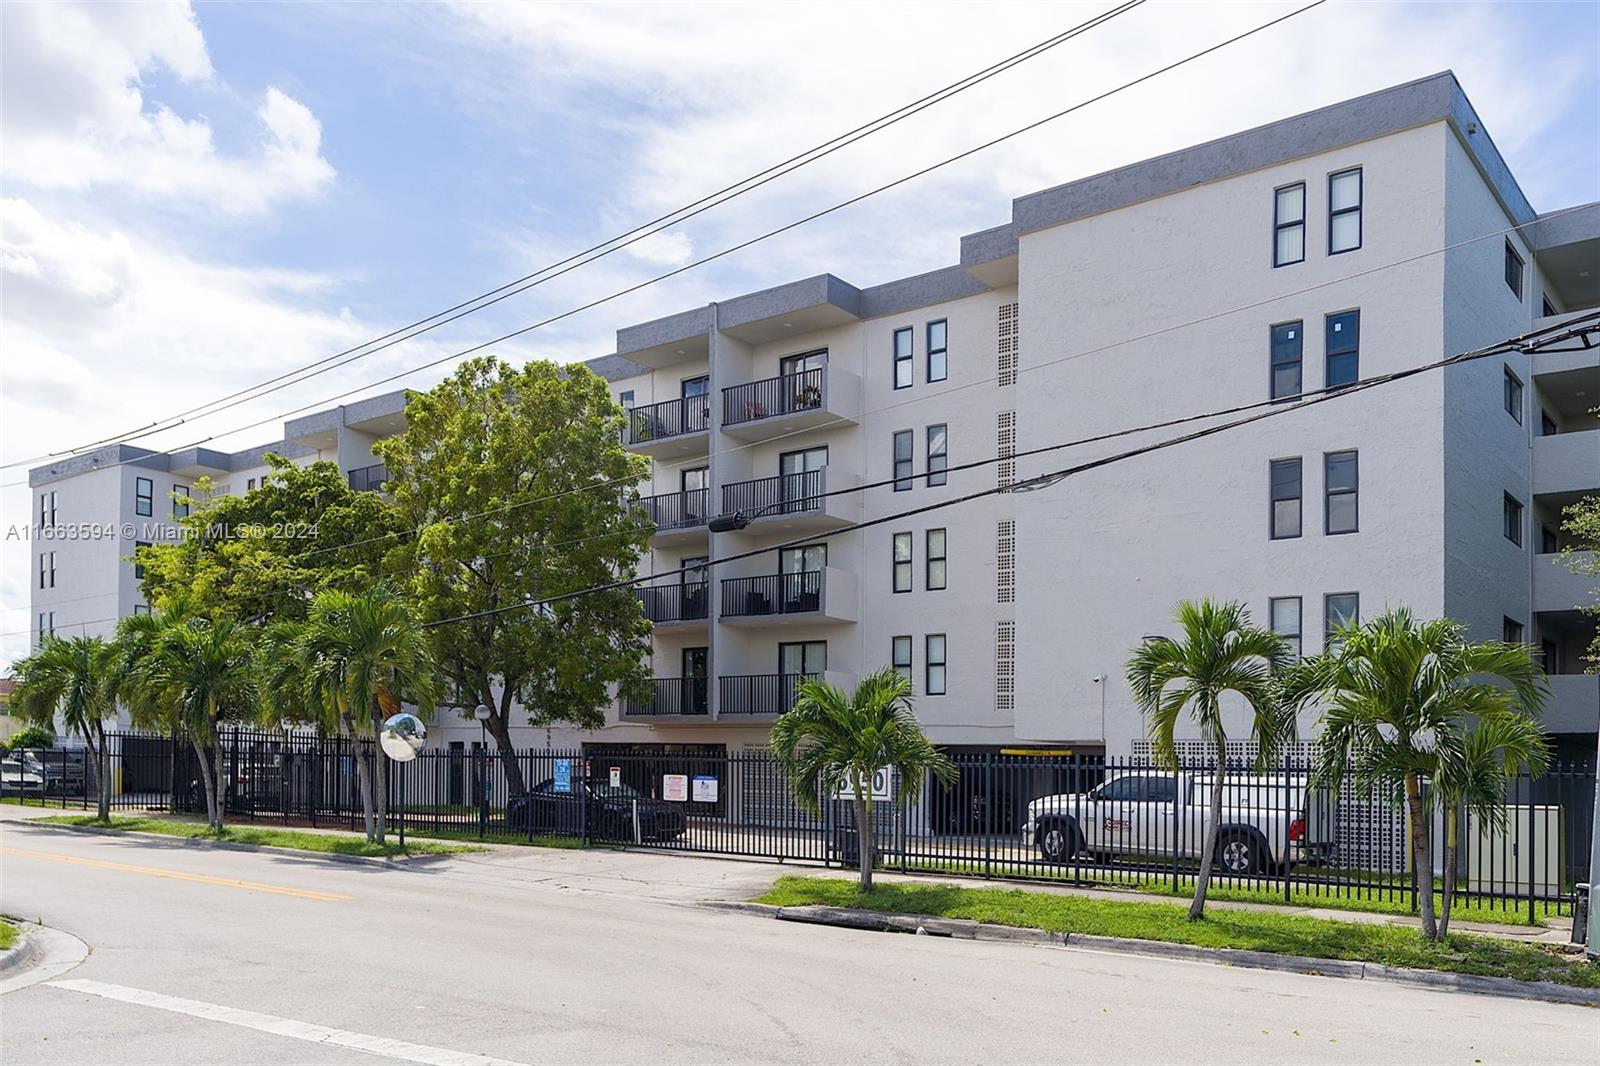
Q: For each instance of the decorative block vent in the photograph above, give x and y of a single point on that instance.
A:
(1008, 338)
(1005, 563)
(1005, 667)
(1006, 447)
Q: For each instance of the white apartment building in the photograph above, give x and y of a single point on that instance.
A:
(1363, 238)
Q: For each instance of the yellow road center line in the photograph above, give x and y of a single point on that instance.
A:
(178, 875)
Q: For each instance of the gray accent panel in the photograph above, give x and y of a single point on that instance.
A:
(788, 299)
(199, 457)
(1579, 224)
(388, 403)
(934, 287)
(678, 327)
(615, 367)
(251, 458)
(99, 459)
(988, 245)
(316, 422)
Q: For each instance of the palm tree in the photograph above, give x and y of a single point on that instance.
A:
(352, 663)
(75, 679)
(829, 739)
(1399, 697)
(1220, 652)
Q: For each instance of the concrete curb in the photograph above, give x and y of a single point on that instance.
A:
(226, 845)
(19, 955)
(50, 953)
(966, 929)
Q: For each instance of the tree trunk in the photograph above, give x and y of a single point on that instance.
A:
(364, 786)
(1448, 897)
(102, 763)
(221, 783)
(380, 776)
(865, 846)
(500, 729)
(203, 758)
(1421, 856)
(1208, 849)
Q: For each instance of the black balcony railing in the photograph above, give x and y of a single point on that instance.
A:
(746, 597)
(784, 494)
(770, 397)
(673, 697)
(686, 602)
(677, 510)
(374, 477)
(658, 421)
(741, 694)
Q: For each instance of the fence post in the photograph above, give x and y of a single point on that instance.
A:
(1288, 819)
(402, 772)
(988, 814)
(1532, 851)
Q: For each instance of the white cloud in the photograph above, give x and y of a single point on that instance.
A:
(76, 116)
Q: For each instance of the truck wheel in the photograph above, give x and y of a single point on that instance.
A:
(1239, 855)
(1058, 842)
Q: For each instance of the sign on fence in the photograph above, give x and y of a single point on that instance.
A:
(616, 777)
(563, 775)
(879, 788)
(675, 787)
(705, 789)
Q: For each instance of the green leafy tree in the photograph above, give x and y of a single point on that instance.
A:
(32, 735)
(520, 489)
(830, 740)
(1582, 524)
(1220, 653)
(74, 679)
(353, 662)
(1400, 699)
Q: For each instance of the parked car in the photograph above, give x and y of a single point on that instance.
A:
(609, 815)
(65, 771)
(20, 774)
(1268, 821)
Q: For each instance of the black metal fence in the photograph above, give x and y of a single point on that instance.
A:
(793, 593)
(769, 397)
(1076, 819)
(673, 418)
(784, 494)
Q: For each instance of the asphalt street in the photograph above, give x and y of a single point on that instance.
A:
(532, 956)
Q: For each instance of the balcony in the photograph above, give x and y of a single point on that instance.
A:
(1557, 588)
(795, 501)
(369, 478)
(684, 604)
(826, 595)
(679, 517)
(1574, 704)
(673, 697)
(765, 695)
(1566, 462)
(669, 430)
(761, 410)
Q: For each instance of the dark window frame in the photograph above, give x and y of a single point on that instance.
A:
(138, 567)
(942, 351)
(1327, 613)
(1512, 395)
(803, 645)
(1512, 631)
(895, 562)
(1513, 514)
(929, 662)
(1359, 210)
(909, 359)
(904, 669)
(1352, 350)
(1297, 638)
(938, 461)
(1299, 361)
(144, 496)
(180, 490)
(1278, 225)
(1328, 492)
(1547, 307)
(1273, 499)
(1516, 271)
(928, 559)
(903, 482)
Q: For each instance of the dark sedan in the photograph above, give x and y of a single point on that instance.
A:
(610, 813)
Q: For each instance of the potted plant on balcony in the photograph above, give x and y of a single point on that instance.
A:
(808, 397)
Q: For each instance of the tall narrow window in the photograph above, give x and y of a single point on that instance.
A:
(1547, 424)
(1339, 609)
(144, 496)
(934, 577)
(1285, 498)
(47, 624)
(47, 508)
(1546, 308)
(1343, 349)
(901, 652)
(1289, 225)
(1513, 269)
(938, 350)
(1549, 543)
(1344, 211)
(1287, 344)
(1340, 482)
(1513, 396)
(904, 369)
(1513, 520)
(1285, 614)
(934, 665)
(938, 454)
(902, 460)
(1510, 631)
(47, 570)
(138, 567)
(180, 502)
(625, 399)
(902, 562)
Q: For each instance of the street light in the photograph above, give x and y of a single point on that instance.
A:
(732, 523)
(481, 712)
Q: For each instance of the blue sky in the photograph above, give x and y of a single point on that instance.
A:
(199, 198)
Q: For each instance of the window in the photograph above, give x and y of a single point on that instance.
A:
(1343, 349)
(1546, 308)
(1340, 478)
(1511, 631)
(933, 665)
(138, 567)
(1338, 609)
(250, 486)
(1547, 424)
(1548, 542)
(938, 454)
(902, 656)
(695, 386)
(904, 371)
(1344, 211)
(902, 562)
(47, 508)
(805, 559)
(1122, 788)
(141, 608)
(934, 567)
(803, 659)
(938, 354)
(1287, 341)
(1161, 790)
(47, 624)
(144, 495)
(1550, 656)
(902, 460)
(1289, 225)
(800, 471)
(180, 508)
(47, 570)
(1513, 520)
(1285, 477)
(1285, 614)
(1513, 396)
(1513, 270)
(790, 365)
(625, 399)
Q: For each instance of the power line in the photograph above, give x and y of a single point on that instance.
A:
(763, 236)
(598, 251)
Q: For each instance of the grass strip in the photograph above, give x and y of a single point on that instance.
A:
(1282, 934)
(8, 936)
(262, 836)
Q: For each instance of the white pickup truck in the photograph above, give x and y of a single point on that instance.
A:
(1268, 821)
